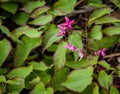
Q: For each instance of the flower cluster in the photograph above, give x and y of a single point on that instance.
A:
(102, 52)
(74, 48)
(65, 27)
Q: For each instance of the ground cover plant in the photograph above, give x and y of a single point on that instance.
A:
(59, 47)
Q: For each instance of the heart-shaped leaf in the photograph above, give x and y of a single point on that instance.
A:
(79, 79)
(104, 79)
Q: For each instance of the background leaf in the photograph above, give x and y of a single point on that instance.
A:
(40, 89)
(50, 36)
(28, 31)
(41, 20)
(106, 19)
(21, 18)
(111, 31)
(5, 30)
(65, 6)
(30, 6)
(60, 56)
(105, 42)
(23, 50)
(5, 48)
(78, 80)
(104, 79)
(10, 6)
(96, 33)
(114, 90)
(59, 77)
(21, 72)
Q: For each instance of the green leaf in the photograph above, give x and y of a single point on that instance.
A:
(9, 6)
(5, 30)
(114, 90)
(23, 49)
(98, 13)
(103, 91)
(40, 89)
(45, 78)
(96, 33)
(41, 20)
(111, 31)
(96, 89)
(3, 71)
(29, 7)
(28, 31)
(5, 48)
(79, 79)
(21, 18)
(16, 84)
(50, 36)
(35, 81)
(39, 65)
(20, 72)
(75, 39)
(89, 60)
(59, 77)
(106, 19)
(105, 42)
(105, 64)
(39, 11)
(116, 2)
(104, 79)
(60, 56)
(2, 79)
(65, 6)
(95, 3)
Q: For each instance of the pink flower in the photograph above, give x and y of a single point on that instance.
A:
(81, 54)
(102, 52)
(71, 47)
(62, 31)
(68, 24)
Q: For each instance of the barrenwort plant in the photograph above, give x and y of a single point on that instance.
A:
(59, 46)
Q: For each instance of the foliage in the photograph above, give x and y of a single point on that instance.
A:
(59, 47)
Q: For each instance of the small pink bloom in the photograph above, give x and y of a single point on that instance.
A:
(81, 54)
(62, 31)
(102, 52)
(71, 47)
(68, 24)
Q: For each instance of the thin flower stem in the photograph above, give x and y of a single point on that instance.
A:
(79, 2)
(112, 55)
